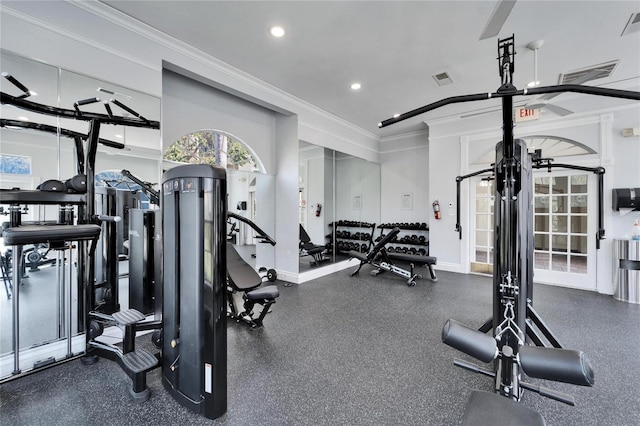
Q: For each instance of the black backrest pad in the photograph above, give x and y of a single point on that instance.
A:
(387, 239)
(304, 237)
(242, 275)
(34, 234)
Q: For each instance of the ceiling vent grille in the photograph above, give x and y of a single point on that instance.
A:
(633, 25)
(443, 79)
(597, 71)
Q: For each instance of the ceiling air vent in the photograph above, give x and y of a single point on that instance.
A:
(633, 25)
(593, 72)
(443, 79)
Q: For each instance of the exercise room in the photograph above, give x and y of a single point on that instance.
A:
(320, 212)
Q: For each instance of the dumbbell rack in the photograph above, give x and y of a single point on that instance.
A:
(347, 240)
(414, 243)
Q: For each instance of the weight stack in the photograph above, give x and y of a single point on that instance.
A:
(144, 249)
(194, 361)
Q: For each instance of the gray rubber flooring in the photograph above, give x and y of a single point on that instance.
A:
(357, 351)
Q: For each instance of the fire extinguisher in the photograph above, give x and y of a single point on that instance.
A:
(318, 210)
(436, 209)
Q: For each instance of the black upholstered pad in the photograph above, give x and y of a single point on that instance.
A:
(242, 275)
(413, 258)
(268, 292)
(35, 234)
(490, 409)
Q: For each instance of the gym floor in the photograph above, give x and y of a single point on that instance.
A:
(361, 350)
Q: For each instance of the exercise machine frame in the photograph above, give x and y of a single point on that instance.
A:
(513, 245)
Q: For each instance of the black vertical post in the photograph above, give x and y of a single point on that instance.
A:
(84, 258)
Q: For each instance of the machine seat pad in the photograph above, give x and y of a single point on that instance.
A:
(268, 292)
(36, 234)
(128, 317)
(139, 360)
(490, 409)
(242, 276)
(363, 257)
(413, 258)
(312, 248)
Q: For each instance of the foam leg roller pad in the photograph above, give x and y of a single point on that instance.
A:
(472, 342)
(560, 365)
(77, 184)
(52, 185)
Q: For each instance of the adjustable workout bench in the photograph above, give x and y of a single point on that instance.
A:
(243, 278)
(379, 258)
(307, 248)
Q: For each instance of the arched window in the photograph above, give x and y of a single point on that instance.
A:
(551, 146)
(215, 148)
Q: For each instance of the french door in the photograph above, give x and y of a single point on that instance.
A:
(564, 228)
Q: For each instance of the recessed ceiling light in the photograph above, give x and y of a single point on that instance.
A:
(277, 31)
(396, 115)
(119, 136)
(23, 118)
(533, 83)
(356, 86)
(32, 93)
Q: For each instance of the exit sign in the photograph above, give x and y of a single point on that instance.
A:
(523, 114)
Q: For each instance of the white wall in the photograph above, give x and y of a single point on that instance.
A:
(404, 168)
(286, 197)
(625, 172)
(451, 149)
(357, 177)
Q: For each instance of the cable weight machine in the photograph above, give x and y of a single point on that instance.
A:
(513, 316)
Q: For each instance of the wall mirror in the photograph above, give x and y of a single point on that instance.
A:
(29, 157)
(339, 205)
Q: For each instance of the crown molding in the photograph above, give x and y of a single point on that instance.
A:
(141, 29)
(74, 36)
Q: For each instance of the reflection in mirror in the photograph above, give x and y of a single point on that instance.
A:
(45, 309)
(347, 189)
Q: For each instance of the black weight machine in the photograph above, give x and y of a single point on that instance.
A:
(507, 347)
(97, 302)
(194, 335)
(242, 279)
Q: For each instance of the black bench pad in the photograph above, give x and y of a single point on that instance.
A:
(268, 292)
(242, 276)
(413, 258)
(490, 409)
(36, 234)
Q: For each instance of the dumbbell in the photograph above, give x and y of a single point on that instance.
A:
(422, 239)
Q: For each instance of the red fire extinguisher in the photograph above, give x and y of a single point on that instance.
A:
(436, 209)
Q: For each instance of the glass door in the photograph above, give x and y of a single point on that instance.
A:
(564, 230)
(482, 238)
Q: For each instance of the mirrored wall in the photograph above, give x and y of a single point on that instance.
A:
(38, 147)
(339, 205)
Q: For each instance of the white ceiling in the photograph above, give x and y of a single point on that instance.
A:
(394, 47)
